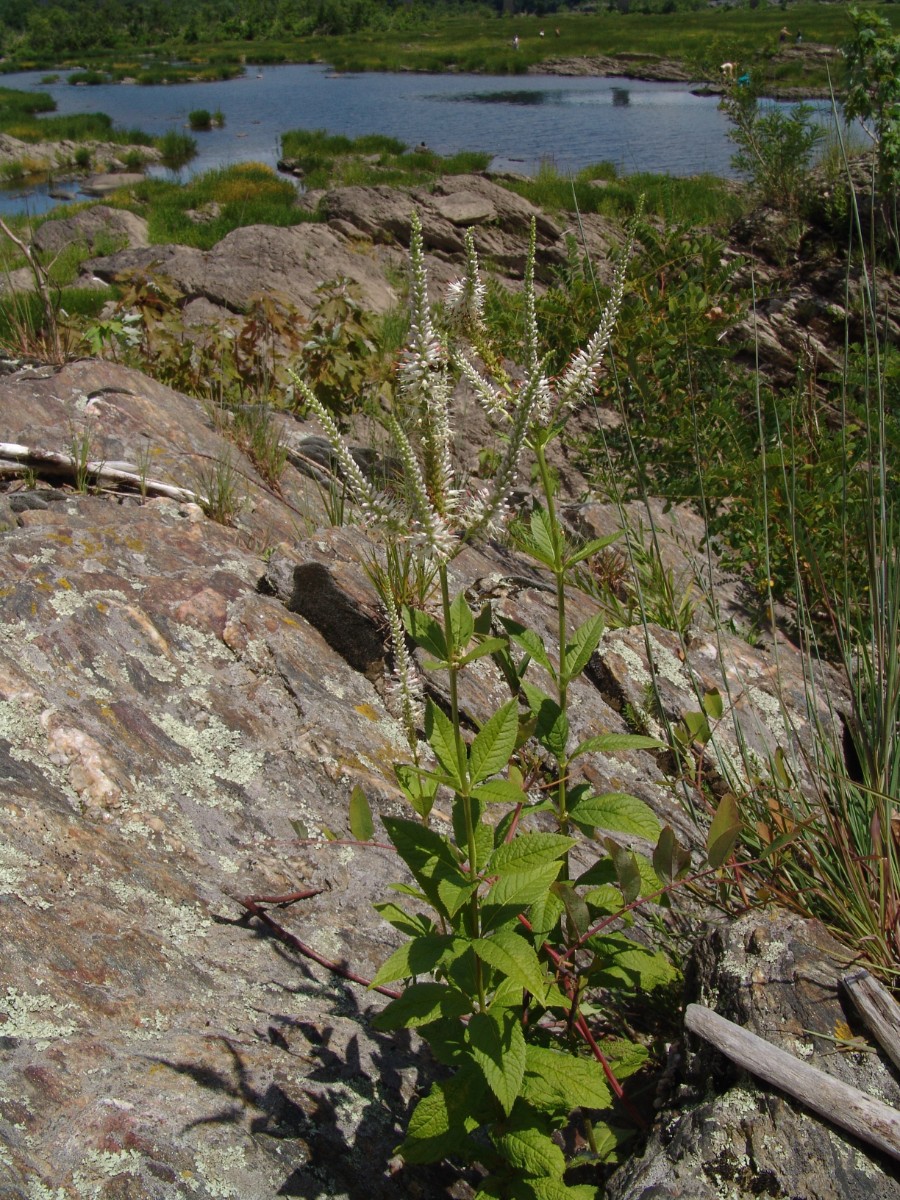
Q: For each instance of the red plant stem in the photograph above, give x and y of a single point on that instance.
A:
(582, 1026)
(291, 939)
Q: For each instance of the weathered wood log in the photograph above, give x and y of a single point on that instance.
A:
(878, 1009)
(57, 464)
(866, 1118)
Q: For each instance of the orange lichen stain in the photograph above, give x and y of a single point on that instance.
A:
(366, 710)
(89, 548)
(73, 693)
(101, 607)
(134, 544)
(64, 583)
(64, 539)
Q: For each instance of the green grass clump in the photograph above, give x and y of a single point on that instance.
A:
(334, 160)
(245, 194)
(177, 149)
(698, 199)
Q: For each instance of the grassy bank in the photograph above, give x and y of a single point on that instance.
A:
(484, 42)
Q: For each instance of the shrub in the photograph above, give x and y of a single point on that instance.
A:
(200, 118)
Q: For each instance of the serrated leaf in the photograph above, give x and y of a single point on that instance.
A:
(584, 642)
(724, 831)
(442, 738)
(544, 542)
(604, 899)
(500, 791)
(494, 743)
(619, 961)
(529, 641)
(442, 1120)
(529, 1149)
(506, 951)
(425, 631)
(418, 956)
(555, 1189)
(670, 859)
(421, 1004)
(497, 1045)
(626, 1058)
(361, 824)
(412, 924)
(419, 788)
(618, 812)
(462, 622)
(513, 892)
(552, 729)
(490, 645)
(612, 743)
(432, 861)
(555, 1081)
(543, 915)
(591, 548)
(527, 850)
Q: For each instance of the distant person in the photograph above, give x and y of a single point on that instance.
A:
(798, 39)
(784, 34)
(516, 42)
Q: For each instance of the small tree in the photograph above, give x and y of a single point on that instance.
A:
(873, 89)
(775, 148)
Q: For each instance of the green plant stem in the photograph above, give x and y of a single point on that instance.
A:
(462, 761)
(562, 683)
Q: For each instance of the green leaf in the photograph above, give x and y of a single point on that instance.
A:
(506, 951)
(425, 631)
(513, 892)
(498, 1048)
(494, 743)
(604, 899)
(529, 641)
(724, 831)
(555, 1189)
(591, 548)
(670, 858)
(527, 1146)
(618, 812)
(544, 914)
(611, 743)
(441, 738)
(712, 704)
(584, 642)
(555, 1081)
(619, 961)
(462, 623)
(421, 1004)
(528, 850)
(696, 728)
(419, 788)
(579, 918)
(552, 729)
(626, 1058)
(483, 834)
(603, 871)
(627, 871)
(500, 791)
(490, 645)
(419, 956)
(413, 925)
(442, 1120)
(546, 541)
(361, 825)
(433, 863)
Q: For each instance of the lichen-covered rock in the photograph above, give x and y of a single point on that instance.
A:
(719, 1133)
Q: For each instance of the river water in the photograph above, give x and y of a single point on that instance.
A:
(521, 120)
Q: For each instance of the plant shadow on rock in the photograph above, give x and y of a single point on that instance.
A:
(310, 1132)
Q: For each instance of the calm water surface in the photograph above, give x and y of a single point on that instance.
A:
(522, 121)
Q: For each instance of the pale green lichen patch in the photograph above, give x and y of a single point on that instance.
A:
(180, 924)
(16, 869)
(35, 1190)
(216, 753)
(102, 1165)
(33, 1018)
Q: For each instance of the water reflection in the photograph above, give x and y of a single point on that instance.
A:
(621, 97)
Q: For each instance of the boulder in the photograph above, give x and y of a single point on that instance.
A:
(88, 226)
(720, 1133)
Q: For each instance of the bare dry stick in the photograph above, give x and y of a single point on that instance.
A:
(55, 463)
(877, 1008)
(868, 1119)
(40, 280)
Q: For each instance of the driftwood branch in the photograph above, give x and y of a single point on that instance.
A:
(868, 1119)
(67, 467)
(878, 1010)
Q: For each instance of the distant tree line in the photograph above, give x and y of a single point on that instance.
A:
(48, 28)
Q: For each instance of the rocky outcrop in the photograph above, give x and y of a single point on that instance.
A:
(90, 226)
(184, 708)
(719, 1133)
(56, 156)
